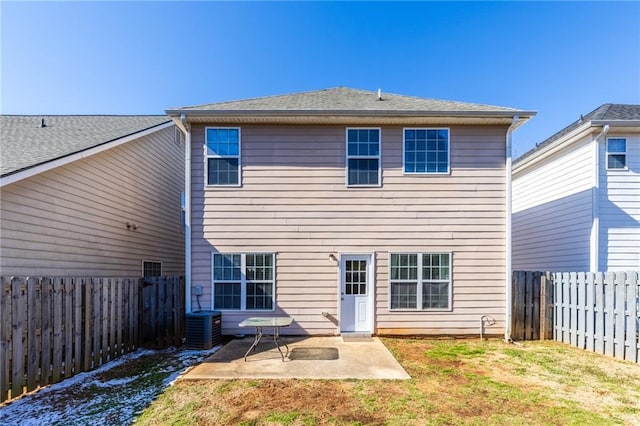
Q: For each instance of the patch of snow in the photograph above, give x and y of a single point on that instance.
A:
(85, 399)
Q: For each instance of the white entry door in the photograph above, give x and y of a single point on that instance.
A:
(356, 293)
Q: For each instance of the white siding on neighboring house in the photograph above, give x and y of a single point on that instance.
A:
(72, 220)
(619, 208)
(552, 211)
(294, 202)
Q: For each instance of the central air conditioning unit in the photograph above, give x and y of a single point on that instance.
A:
(203, 329)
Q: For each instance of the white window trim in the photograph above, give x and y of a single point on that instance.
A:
(243, 283)
(206, 158)
(625, 153)
(419, 283)
(152, 261)
(404, 142)
(370, 157)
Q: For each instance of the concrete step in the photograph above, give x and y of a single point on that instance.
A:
(356, 337)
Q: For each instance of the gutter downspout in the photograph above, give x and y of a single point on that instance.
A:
(187, 211)
(508, 273)
(594, 259)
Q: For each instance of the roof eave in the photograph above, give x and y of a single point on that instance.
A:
(363, 113)
(538, 154)
(616, 123)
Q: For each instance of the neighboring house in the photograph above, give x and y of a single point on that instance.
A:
(576, 196)
(350, 211)
(91, 196)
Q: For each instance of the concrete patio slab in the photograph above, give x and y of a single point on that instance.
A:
(310, 358)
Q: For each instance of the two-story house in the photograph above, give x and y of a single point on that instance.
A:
(350, 210)
(576, 196)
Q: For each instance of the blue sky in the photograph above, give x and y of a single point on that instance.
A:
(561, 59)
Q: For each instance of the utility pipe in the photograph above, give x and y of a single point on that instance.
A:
(595, 203)
(508, 272)
(187, 211)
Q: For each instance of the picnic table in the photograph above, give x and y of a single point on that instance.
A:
(275, 323)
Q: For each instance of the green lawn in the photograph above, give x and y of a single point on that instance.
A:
(465, 382)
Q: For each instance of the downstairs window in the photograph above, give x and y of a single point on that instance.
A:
(420, 281)
(243, 281)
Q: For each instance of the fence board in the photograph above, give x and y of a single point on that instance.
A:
(632, 340)
(177, 313)
(46, 331)
(119, 319)
(573, 308)
(566, 308)
(78, 287)
(168, 314)
(619, 312)
(5, 337)
(95, 321)
(590, 312)
(33, 332)
(87, 330)
(534, 320)
(68, 327)
(528, 306)
(600, 313)
(557, 299)
(519, 302)
(104, 300)
(581, 301)
(112, 318)
(136, 319)
(133, 305)
(609, 324)
(151, 306)
(544, 307)
(57, 359)
(18, 303)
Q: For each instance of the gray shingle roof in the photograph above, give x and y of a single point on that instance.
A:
(342, 100)
(25, 144)
(605, 112)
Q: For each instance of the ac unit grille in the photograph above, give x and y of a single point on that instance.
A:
(203, 329)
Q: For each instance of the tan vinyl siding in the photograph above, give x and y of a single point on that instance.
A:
(71, 220)
(294, 202)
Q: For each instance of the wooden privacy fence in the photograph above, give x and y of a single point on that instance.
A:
(54, 328)
(532, 306)
(599, 312)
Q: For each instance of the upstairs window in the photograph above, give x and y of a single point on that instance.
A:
(363, 157)
(420, 281)
(426, 151)
(223, 156)
(243, 281)
(616, 153)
